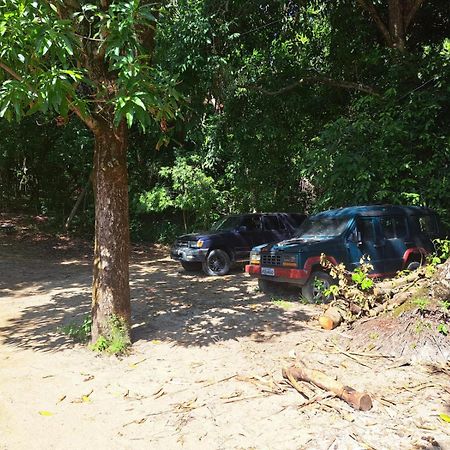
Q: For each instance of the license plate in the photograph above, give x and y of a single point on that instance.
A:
(269, 271)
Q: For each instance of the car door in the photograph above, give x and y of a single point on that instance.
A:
(394, 233)
(364, 240)
(248, 236)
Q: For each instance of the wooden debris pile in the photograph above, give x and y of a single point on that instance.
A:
(357, 295)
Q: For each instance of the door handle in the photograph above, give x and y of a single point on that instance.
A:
(379, 245)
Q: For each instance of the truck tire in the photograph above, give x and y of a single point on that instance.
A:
(217, 263)
(318, 282)
(268, 286)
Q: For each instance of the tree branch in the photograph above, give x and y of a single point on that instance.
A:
(13, 73)
(416, 4)
(370, 8)
(89, 121)
(349, 85)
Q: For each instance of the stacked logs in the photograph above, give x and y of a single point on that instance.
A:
(384, 296)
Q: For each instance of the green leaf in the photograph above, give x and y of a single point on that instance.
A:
(129, 117)
(139, 102)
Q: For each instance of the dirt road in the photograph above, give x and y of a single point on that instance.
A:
(204, 371)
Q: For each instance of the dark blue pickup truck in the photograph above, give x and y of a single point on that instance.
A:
(393, 237)
(230, 240)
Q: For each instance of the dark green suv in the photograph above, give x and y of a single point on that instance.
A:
(394, 237)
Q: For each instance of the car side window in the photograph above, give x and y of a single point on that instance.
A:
(365, 227)
(271, 223)
(427, 225)
(252, 223)
(393, 227)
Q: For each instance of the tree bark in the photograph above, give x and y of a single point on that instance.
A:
(401, 14)
(111, 292)
(396, 24)
(370, 8)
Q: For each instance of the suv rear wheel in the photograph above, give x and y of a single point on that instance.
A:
(217, 263)
(315, 287)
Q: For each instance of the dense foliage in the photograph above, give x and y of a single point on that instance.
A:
(288, 105)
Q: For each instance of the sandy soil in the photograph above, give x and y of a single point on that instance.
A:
(204, 371)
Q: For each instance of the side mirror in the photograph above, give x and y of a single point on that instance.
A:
(241, 228)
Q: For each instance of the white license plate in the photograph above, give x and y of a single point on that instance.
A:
(269, 271)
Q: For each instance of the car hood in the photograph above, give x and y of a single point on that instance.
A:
(203, 235)
(294, 245)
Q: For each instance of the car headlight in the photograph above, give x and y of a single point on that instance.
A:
(290, 260)
(196, 244)
(255, 257)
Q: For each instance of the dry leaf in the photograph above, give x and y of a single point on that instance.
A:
(134, 365)
(46, 413)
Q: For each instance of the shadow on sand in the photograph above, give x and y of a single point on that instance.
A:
(168, 304)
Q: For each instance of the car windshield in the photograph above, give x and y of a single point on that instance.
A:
(227, 223)
(322, 227)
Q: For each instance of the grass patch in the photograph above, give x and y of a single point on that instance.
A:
(79, 332)
(118, 339)
(284, 304)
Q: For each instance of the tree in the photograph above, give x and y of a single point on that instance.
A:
(94, 60)
(400, 13)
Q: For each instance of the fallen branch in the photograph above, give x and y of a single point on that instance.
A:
(358, 400)
(391, 286)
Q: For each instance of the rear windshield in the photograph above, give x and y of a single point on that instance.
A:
(322, 227)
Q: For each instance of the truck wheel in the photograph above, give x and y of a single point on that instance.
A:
(191, 266)
(413, 263)
(217, 263)
(268, 286)
(318, 282)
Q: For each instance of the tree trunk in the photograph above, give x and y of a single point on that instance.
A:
(396, 24)
(111, 291)
(442, 287)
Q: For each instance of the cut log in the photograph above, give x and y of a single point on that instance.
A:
(358, 400)
(331, 318)
(389, 287)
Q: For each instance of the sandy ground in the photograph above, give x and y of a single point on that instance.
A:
(204, 371)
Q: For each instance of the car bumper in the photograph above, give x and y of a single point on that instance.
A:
(280, 274)
(188, 254)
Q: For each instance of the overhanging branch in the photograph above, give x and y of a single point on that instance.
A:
(343, 84)
(89, 121)
(8, 69)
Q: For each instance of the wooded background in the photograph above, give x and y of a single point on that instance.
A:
(286, 106)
